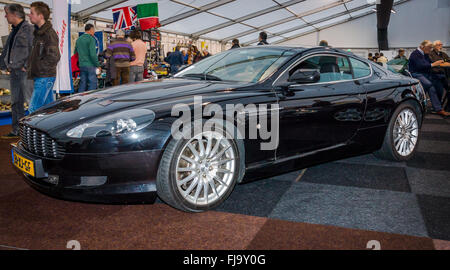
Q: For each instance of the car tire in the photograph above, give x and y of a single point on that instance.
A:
(184, 159)
(402, 136)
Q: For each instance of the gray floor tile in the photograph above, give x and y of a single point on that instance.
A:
(436, 213)
(370, 159)
(435, 136)
(291, 177)
(358, 175)
(442, 147)
(430, 161)
(255, 199)
(435, 128)
(429, 182)
(367, 209)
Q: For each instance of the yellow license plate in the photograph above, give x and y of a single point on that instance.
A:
(24, 164)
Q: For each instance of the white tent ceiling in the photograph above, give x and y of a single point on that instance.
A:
(224, 20)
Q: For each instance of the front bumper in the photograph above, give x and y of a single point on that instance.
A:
(99, 178)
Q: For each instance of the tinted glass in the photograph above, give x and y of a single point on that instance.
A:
(331, 68)
(360, 69)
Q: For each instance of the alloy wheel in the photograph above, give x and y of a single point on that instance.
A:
(406, 132)
(205, 168)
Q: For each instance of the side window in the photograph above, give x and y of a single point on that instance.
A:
(360, 69)
(331, 68)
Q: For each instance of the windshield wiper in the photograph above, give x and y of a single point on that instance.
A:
(202, 76)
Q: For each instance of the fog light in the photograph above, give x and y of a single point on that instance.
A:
(52, 179)
(92, 181)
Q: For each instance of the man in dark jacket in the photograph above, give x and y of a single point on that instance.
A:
(175, 60)
(14, 58)
(44, 56)
(263, 38)
(420, 67)
(235, 44)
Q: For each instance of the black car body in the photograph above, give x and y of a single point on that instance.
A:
(318, 122)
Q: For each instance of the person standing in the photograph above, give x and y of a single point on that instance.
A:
(44, 56)
(420, 66)
(323, 43)
(14, 58)
(87, 59)
(235, 44)
(263, 38)
(401, 54)
(185, 57)
(175, 60)
(140, 49)
(382, 59)
(122, 52)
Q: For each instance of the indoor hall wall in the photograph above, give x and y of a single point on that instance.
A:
(414, 22)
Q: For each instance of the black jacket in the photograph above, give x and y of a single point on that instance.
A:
(263, 42)
(20, 50)
(45, 54)
(235, 46)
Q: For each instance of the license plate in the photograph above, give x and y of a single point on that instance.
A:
(24, 164)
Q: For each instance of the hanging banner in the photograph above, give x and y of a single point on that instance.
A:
(61, 24)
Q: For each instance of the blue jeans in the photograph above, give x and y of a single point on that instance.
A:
(42, 94)
(430, 87)
(88, 79)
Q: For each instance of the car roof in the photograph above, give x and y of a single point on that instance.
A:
(302, 48)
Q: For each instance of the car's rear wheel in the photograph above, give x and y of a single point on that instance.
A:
(402, 136)
(198, 174)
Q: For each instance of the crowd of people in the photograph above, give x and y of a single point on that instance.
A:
(32, 53)
(430, 65)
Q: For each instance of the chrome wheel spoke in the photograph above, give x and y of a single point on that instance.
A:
(219, 180)
(213, 187)
(187, 179)
(194, 151)
(215, 148)
(197, 192)
(201, 146)
(223, 170)
(208, 145)
(185, 169)
(206, 191)
(191, 187)
(221, 153)
(190, 160)
(223, 161)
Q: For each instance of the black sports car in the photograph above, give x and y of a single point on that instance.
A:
(118, 146)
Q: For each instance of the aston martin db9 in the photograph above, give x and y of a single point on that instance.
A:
(298, 107)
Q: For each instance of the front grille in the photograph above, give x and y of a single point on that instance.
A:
(39, 143)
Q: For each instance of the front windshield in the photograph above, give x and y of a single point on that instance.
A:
(247, 65)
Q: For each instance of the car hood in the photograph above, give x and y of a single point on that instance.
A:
(82, 107)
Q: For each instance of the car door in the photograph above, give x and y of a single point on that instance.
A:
(319, 115)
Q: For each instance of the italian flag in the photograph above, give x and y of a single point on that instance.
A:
(147, 15)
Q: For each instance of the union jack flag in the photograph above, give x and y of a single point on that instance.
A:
(124, 17)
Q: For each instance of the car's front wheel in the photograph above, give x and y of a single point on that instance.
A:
(402, 136)
(198, 174)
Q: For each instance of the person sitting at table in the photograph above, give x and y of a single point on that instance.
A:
(442, 72)
(420, 66)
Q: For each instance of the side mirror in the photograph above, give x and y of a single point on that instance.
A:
(305, 77)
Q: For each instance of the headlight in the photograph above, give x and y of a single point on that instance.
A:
(114, 124)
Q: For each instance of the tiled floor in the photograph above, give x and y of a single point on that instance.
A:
(338, 205)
